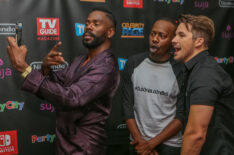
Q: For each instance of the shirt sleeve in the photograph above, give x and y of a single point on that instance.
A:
(60, 76)
(180, 103)
(205, 87)
(180, 107)
(127, 91)
(98, 81)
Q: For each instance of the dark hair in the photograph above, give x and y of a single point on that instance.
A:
(109, 14)
(168, 19)
(201, 26)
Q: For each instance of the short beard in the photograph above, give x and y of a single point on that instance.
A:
(96, 41)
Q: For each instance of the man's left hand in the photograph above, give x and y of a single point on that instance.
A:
(17, 55)
(144, 148)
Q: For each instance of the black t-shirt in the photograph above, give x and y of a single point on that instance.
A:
(209, 84)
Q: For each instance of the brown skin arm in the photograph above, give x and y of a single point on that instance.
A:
(52, 58)
(17, 55)
(133, 129)
(170, 130)
(196, 129)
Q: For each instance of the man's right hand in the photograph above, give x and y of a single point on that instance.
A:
(53, 58)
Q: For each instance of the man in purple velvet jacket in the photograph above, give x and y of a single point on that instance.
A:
(81, 93)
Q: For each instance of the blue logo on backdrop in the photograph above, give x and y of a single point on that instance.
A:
(121, 63)
(79, 29)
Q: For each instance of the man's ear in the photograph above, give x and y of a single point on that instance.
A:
(199, 42)
(110, 33)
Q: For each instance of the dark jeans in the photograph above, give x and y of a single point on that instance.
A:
(161, 149)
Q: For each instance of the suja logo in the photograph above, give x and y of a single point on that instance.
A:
(201, 5)
(8, 142)
(48, 27)
(47, 107)
(4, 72)
(133, 3)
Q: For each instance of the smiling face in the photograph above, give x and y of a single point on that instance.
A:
(160, 40)
(96, 29)
(183, 43)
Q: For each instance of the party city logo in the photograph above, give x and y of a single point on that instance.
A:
(11, 105)
(4, 72)
(8, 142)
(40, 139)
(122, 62)
(201, 5)
(132, 30)
(79, 29)
(228, 34)
(7, 28)
(93, 1)
(133, 3)
(37, 66)
(48, 28)
(171, 1)
(225, 60)
(226, 3)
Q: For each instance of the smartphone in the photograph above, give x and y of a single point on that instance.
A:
(18, 33)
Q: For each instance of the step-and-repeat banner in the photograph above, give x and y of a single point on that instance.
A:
(27, 123)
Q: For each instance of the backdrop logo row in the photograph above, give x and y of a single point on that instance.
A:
(139, 3)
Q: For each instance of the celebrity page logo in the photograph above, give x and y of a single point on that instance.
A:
(122, 62)
(48, 28)
(40, 139)
(92, 0)
(8, 142)
(4, 71)
(226, 3)
(132, 30)
(171, 1)
(133, 3)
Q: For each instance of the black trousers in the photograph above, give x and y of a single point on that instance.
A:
(162, 149)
